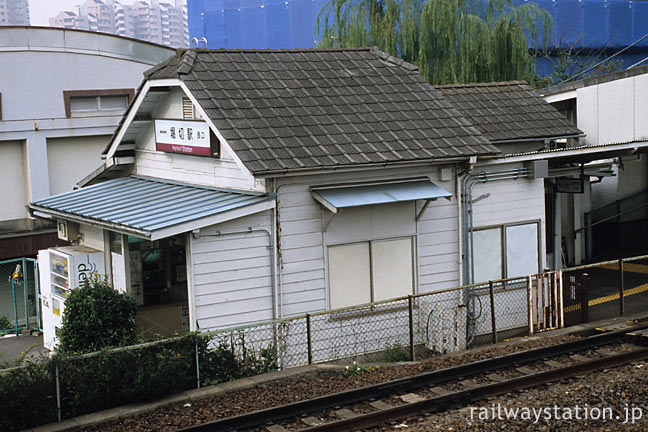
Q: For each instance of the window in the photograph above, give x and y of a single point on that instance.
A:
(98, 103)
(370, 271)
(84, 102)
(506, 251)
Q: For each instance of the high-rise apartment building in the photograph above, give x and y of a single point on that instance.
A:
(14, 12)
(157, 22)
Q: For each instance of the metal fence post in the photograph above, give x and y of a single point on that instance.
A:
(492, 310)
(561, 321)
(308, 339)
(410, 300)
(197, 365)
(621, 283)
(13, 293)
(37, 295)
(530, 304)
(58, 390)
(584, 299)
(25, 294)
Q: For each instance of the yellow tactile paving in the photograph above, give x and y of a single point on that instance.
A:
(632, 291)
(627, 267)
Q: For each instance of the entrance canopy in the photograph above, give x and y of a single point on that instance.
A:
(150, 208)
(336, 198)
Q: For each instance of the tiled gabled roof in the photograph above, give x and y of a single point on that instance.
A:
(292, 110)
(508, 111)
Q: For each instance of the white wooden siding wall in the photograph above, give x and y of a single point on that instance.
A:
(233, 274)
(438, 244)
(223, 172)
(303, 242)
(302, 251)
(511, 201)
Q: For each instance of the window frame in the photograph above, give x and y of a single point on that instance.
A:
(504, 243)
(414, 266)
(69, 94)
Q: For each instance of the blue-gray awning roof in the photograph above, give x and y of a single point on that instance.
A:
(335, 198)
(151, 208)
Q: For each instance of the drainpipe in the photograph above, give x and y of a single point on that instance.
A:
(468, 181)
(459, 223)
(277, 248)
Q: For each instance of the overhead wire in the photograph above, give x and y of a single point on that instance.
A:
(607, 59)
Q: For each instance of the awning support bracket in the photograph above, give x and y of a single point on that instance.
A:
(425, 206)
(327, 220)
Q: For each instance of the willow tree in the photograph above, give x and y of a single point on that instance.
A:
(452, 41)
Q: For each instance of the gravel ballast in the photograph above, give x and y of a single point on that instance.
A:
(304, 387)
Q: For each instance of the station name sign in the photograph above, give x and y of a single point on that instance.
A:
(570, 185)
(185, 136)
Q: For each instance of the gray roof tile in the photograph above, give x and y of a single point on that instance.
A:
(508, 110)
(283, 110)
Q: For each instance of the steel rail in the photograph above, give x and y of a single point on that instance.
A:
(459, 398)
(274, 414)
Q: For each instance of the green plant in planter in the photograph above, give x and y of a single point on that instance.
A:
(96, 317)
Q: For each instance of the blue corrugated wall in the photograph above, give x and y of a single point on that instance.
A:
(593, 24)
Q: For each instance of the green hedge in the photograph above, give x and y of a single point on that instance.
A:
(111, 378)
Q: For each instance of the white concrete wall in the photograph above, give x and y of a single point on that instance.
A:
(12, 181)
(223, 172)
(36, 66)
(232, 281)
(71, 159)
(614, 111)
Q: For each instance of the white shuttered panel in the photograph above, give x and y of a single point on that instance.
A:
(487, 254)
(391, 262)
(522, 250)
(349, 279)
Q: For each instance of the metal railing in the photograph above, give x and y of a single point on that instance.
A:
(19, 302)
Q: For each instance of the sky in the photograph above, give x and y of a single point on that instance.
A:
(40, 11)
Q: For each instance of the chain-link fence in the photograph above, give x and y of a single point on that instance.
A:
(19, 305)
(415, 326)
(605, 290)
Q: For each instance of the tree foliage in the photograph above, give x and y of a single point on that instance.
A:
(96, 317)
(452, 41)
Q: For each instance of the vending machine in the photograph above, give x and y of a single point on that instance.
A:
(62, 269)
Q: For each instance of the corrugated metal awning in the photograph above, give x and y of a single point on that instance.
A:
(151, 208)
(335, 198)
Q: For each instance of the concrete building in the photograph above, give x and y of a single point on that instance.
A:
(62, 93)
(14, 12)
(157, 22)
(610, 109)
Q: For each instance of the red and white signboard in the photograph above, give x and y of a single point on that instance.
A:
(182, 136)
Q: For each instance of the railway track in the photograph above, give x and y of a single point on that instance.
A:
(441, 389)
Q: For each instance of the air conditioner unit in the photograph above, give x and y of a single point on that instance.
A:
(68, 231)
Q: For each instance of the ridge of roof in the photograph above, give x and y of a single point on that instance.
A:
(184, 58)
(491, 84)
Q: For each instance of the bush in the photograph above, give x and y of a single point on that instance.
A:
(28, 397)
(233, 358)
(96, 317)
(110, 378)
(5, 324)
(394, 353)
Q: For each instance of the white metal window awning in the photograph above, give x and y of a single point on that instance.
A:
(335, 198)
